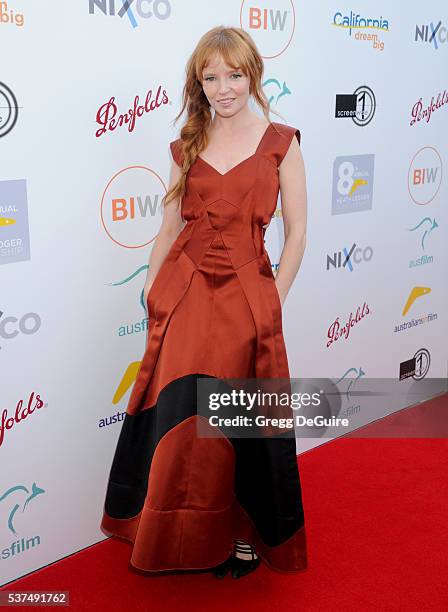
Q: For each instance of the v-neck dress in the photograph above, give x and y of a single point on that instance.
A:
(214, 311)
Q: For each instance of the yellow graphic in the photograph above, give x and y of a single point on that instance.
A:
(6, 221)
(357, 183)
(127, 380)
(415, 293)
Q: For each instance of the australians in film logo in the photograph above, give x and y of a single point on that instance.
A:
(109, 117)
(340, 329)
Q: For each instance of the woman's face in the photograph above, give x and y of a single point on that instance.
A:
(226, 89)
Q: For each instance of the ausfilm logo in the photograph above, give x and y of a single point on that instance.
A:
(271, 23)
(359, 106)
(434, 35)
(275, 90)
(131, 206)
(423, 232)
(352, 183)
(132, 10)
(9, 110)
(425, 175)
(354, 23)
(419, 113)
(13, 504)
(110, 119)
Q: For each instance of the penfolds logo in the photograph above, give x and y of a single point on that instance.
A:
(109, 119)
(419, 113)
(336, 330)
(20, 414)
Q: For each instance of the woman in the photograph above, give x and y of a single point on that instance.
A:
(188, 502)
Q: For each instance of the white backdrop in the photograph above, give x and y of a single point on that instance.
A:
(79, 210)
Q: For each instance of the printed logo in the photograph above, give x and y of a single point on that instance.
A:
(9, 110)
(14, 502)
(356, 374)
(346, 258)
(276, 90)
(336, 330)
(423, 230)
(417, 367)
(132, 10)
(10, 326)
(107, 113)
(131, 206)
(356, 23)
(359, 106)
(14, 229)
(415, 294)
(10, 16)
(431, 34)
(352, 184)
(20, 414)
(425, 175)
(419, 113)
(271, 24)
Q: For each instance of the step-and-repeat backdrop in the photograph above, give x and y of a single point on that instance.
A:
(88, 93)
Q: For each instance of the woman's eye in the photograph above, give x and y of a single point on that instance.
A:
(237, 74)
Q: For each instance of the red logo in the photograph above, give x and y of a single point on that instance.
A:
(19, 415)
(336, 331)
(109, 120)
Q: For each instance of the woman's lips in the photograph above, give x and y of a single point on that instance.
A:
(226, 102)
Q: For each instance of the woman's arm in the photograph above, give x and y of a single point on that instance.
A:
(172, 225)
(294, 210)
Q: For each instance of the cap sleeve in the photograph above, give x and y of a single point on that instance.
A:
(287, 133)
(176, 151)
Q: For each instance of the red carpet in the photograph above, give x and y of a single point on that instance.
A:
(376, 512)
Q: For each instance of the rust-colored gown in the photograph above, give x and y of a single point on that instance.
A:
(214, 311)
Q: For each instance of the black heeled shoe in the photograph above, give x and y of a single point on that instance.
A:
(223, 568)
(242, 567)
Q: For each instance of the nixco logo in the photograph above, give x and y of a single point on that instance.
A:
(271, 23)
(346, 258)
(431, 34)
(131, 9)
(9, 110)
(13, 503)
(131, 206)
(11, 326)
(352, 184)
(425, 175)
(423, 231)
(417, 367)
(359, 106)
(276, 90)
(356, 22)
